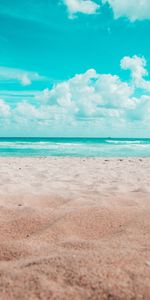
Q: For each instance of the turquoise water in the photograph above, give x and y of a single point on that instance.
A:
(79, 147)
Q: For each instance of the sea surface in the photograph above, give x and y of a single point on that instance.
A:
(75, 147)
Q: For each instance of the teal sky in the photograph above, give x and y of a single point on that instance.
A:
(74, 68)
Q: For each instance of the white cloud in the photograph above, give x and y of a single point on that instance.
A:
(24, 77)
(86, 95)
(137, 66)
(89, 100)
(132, 9)
(81, 6)
(104, 98)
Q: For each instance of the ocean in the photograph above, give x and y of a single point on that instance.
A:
(74, 147)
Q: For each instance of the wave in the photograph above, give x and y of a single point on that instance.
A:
(124, 142)
(43, 146)
(47, 145)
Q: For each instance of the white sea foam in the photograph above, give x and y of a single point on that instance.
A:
(124, 142)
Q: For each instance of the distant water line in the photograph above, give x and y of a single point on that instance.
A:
(74, 147)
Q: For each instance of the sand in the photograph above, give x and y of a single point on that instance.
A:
(73, 228)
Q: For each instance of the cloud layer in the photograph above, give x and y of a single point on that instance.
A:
(101, 102)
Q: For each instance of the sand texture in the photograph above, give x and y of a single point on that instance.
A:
(74, 229)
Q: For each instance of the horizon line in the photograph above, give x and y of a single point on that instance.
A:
(69, 137)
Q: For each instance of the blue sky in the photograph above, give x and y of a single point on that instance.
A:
(74, 68)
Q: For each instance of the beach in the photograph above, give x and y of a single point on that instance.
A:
(74, 228)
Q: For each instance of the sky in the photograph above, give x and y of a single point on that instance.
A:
(76, 68)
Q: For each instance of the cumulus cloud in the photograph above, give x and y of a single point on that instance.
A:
(132, 9)
(90, 100)
(104, 98)
(88, 7)
(24, 77)
(137, 66)
(89, 95)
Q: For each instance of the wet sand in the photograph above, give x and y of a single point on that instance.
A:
(74, 228)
